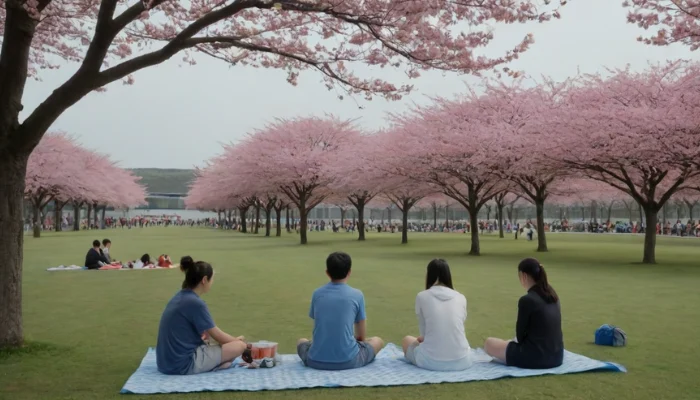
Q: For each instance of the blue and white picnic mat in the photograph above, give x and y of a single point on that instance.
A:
(388, 369)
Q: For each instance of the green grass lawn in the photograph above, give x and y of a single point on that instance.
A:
(89, 330)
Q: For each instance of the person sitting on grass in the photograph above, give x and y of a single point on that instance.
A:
(186, 326)
(94, 258)
(539, 342)
(338, 311)
(441, 311)
(106, 246)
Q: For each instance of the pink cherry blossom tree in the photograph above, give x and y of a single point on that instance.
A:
(112, 40)
(357, 177)
(637, 133)
(520, 115)
(672, 21)
(61, 171)
(294, 155)
(430, 142)
(404, 193)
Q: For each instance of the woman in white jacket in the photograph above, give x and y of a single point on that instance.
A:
(441, 310)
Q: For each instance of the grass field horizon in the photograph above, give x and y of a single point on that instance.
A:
(88, 330)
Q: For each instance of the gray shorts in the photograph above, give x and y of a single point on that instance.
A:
(205, 359)
(364, 357)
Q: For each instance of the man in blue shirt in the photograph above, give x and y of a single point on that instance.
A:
(338, 311)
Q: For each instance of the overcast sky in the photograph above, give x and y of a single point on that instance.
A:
(176, 116)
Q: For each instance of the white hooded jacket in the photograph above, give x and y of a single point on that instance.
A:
(441, 315)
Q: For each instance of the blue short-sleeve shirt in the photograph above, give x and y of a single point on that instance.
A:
(335, 309)
(185, 319)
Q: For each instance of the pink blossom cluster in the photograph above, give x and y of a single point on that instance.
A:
(61, 170)
(606, 137)
(114, 39)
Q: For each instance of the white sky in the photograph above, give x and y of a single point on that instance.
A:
(176, 116)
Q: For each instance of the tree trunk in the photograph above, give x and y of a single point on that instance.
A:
(244, 217)
(509, 211)
(37, 220)
(474, 221)
(13, 168)
(278, 214)
(500, 221)
(561, 214)
(650, 235)
(541, 239)
(342, 217)
(97, 220)
(89, 214)
(104, 211)
(389, 209)
(257, 219)
(594, 211)
(361, 222)
(609, 211)
(57, 215)
(76, 216)
(690, 210)
(404, 228)
(641, 214)
(268, 221)
(447, 220)
(302, 222)
(435, 210)
(289, 222)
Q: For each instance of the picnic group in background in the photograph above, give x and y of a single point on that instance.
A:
(340, 340)
(100, 258)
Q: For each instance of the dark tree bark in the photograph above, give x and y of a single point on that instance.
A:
(76, 215)
(435, 212)
(57, 215)
(36, 218)
(541, 239)
(104, 211)
(243, 211)
(89, 215)
(289, 222)
(690, 205)
(500, 204)
(278, 214)
(303, 223)
(257, 217)
(268, 220)
(359, 201)
(447, 217)
(650, 212)
(94, 207)
(342, 217)
(13, 167)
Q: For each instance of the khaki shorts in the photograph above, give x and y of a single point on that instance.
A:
(205, 359)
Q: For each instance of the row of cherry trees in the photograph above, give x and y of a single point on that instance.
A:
(635, 133)
(63, 172)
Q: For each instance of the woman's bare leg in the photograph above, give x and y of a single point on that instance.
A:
(407, 342)
(496, 348)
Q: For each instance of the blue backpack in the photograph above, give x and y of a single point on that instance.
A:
(610, 335)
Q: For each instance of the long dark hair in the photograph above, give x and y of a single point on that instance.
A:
(194, 272)
(438, 271)
(532, 268)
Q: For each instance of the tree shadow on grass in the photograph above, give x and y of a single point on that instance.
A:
(32, 349)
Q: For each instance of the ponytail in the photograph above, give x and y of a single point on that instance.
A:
(535, 270)
(194, 272)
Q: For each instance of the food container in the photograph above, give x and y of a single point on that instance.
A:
(263, 349)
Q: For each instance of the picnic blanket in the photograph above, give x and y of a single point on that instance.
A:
(389, 369)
